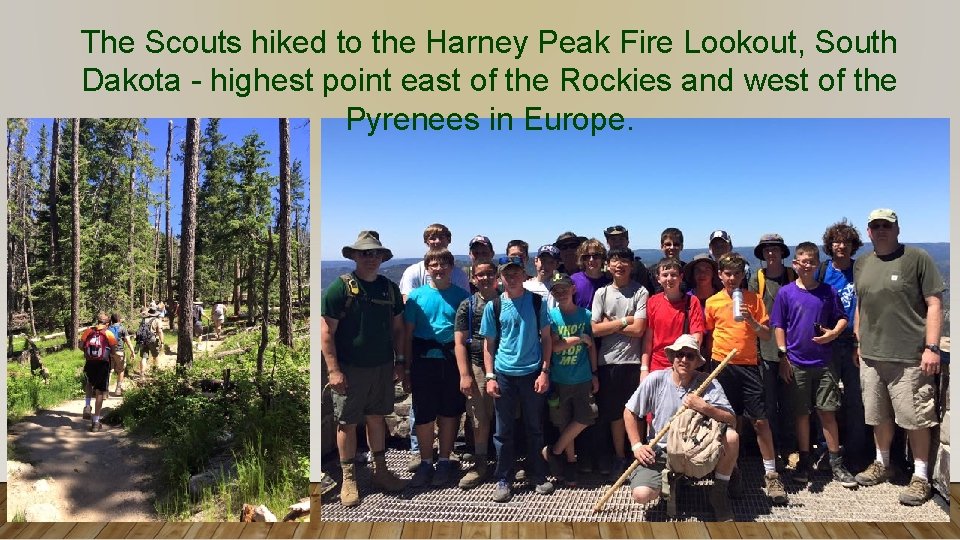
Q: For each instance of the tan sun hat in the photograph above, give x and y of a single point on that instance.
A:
(366, 241)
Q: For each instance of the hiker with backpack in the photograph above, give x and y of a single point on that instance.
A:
(516, 358)
(431, 371)
(469, 351)
(766, 282)
(197, 314)
(662, 394)
(118, 359)
(149, 338)
(219, 316)
(97, 342)
(361, 339)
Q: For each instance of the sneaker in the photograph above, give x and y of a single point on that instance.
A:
(843, 476)
(554, 463)
(605, 466)
(801, 473)
(96, 426)
(775, 490)
(502, 493)
(86, 412)
(584, 466)
(443, 474)
(874, 474)
(916, 492)
(414, 462)
(476, 475)
(520, 476)
(735, 485)
(422, 476)
(545, 487)
(570, 473)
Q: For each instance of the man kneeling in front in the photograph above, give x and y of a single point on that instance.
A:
(662, 393)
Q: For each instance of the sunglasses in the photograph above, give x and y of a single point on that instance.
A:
(685, 355)
(369, 253)
(880, 225)
(591, 256)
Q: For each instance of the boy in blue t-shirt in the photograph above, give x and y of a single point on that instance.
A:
(431, 371)
(516, 358)
(573, 376)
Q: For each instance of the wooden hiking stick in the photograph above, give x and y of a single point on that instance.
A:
(663, 431)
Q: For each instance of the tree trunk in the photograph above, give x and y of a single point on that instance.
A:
(53, 191)
(154, 294)
(75, 238)
(236, 284)
(251, 288)
(299, 265)
(264, 324)
(9, 242)
(131, 264)
(283, 219)
(25, 236)
(166, 205)
(188, 238)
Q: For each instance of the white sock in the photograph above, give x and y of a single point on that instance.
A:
(769, 465)
(96, 418)
(883, 457)
(920, 468)
(722, 477)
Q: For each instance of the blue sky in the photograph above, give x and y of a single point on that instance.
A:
(747, 176)
(234, 130)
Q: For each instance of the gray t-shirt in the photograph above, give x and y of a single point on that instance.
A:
(658, 394)
(609, 302)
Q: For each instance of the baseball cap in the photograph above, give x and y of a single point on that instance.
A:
(504, 262)
(885, 214)
(720, 234)
(614, 229)
(480, 239)
(549, 249)
(560, 279)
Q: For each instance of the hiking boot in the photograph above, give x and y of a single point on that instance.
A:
(719, 500)
(554, 462)
(874, 474)
(383, 479)
(326, 484)
(414, 462)
(476, 475)
(422, 476)
(444, 473)
(916, 492)
(775, 490)
(86, 412)
(96, 426)
(502, 493)
(349, 494)
(843, 476)
(570, 473)
(801, 473)
(668, 490)
(545, 487)
(735, 485)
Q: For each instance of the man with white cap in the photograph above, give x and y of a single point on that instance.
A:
(897, 324)
(361, 334)
(546, 261)
(662, 393)
(720, 243)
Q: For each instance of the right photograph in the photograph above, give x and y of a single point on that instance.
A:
(697, 320)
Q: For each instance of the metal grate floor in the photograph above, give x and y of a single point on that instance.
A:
(820, 500)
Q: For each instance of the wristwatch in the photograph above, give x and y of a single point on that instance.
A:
(933, 347)
(545, 370)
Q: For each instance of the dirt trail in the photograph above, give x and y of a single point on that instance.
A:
(79, 475)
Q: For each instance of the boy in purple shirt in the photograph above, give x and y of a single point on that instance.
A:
(806, 317)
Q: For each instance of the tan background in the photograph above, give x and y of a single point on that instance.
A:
(44, 54)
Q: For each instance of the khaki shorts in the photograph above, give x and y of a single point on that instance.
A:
(574, 402)
(479, 403)
(898, 391)
(814, 387)
(117, 362)
(652, 476)
(369, 393)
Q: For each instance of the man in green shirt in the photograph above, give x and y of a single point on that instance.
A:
(897, 324)
(360, 332)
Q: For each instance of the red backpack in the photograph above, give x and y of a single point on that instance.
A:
(96, 348)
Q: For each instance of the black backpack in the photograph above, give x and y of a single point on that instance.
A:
(145, 334)
(498, 303)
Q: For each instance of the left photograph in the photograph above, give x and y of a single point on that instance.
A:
(158, 297)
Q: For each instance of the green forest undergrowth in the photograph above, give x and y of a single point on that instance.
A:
(252, 436)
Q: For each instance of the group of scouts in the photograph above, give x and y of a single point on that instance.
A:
(608, 349)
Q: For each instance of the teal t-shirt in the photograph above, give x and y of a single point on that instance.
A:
(518, 351)
(571, 366)
(432, 313)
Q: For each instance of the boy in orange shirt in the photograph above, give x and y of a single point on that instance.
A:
(741, 379)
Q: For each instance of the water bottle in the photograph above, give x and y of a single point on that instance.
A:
(737, 302)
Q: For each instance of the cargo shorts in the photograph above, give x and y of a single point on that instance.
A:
(369, 393)
(898, 391)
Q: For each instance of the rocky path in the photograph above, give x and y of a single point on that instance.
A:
(67, 473)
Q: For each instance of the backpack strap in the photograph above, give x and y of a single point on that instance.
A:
(686, 314)
(497, 305)
(470, 308)
(537, 303)
(761, 282)
(821, 271)
(353, 290)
